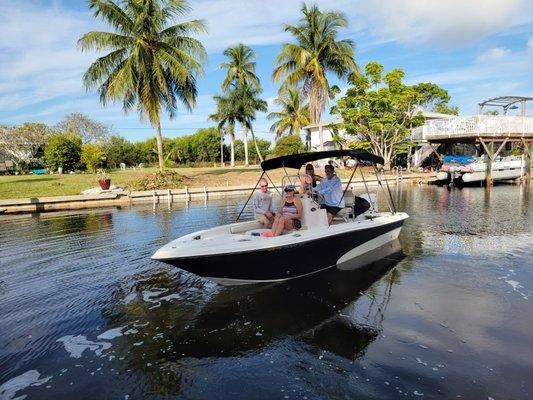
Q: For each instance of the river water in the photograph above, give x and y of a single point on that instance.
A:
(445, 313)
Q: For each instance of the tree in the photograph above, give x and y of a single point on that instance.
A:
(119, 150)
(288, 145)
(316, 52)
(431, 95)
(91, 156)
(152, 64)
(243, 88)
(181, 150)
(246, 102)
(90, 131)
(23, 143)
(205, 145)
(62, 150)
(380, 117)
(446, 109)
(240, 67)
(226, 118)
(293, 116)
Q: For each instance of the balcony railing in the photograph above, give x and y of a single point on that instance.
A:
(480, 125)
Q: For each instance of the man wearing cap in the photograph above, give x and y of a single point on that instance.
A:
(263, 205)
(331, 188)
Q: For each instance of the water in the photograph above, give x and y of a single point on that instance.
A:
(85, 313)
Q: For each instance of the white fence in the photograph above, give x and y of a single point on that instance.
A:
(480, 125)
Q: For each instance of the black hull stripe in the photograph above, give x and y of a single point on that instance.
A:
(284, 262)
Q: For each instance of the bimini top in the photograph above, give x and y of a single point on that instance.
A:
(297, 160)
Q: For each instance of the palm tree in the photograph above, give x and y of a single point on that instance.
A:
(243, 86)
(226, 118)
(240, 66)
(152, 63)
(247, 103)
(316, 52)
(293, 116)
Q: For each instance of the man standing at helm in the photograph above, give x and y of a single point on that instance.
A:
(263, 205)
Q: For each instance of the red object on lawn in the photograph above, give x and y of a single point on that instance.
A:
(104, 184)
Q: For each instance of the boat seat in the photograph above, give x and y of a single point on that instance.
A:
(349, 210)
(242, 227)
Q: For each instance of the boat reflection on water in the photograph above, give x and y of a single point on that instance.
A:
(321, 309)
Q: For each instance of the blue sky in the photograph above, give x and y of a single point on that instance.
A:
(475, 49)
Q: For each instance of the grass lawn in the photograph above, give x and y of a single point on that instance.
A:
(26, 186)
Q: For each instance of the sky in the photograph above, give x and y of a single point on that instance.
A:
(476, 49)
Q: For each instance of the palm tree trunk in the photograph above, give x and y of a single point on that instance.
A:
(232, 150)
(245, 131)
(159, 140)
(256, 145)
(314, 103)
(221, 148)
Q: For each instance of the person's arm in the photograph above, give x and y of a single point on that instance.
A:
(325, 186)
(299, 208)
(280, 209)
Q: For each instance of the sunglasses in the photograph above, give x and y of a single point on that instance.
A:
(264, 185)
(289, 190)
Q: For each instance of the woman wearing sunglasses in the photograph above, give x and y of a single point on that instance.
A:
(289, 214)
(309, 179)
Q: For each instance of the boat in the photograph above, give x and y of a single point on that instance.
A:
(242, 311)
(237, 253)
(452, 164)
(469, 169)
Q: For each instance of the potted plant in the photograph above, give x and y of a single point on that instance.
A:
(104, 180)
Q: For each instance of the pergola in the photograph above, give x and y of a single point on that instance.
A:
(507, 103)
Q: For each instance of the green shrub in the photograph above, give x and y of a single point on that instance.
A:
(91, 156)
(119, 150)
(62, 150)
(288, 145)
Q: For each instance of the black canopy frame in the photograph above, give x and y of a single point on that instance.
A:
(297, 160)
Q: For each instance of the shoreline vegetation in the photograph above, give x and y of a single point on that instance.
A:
(29, 186)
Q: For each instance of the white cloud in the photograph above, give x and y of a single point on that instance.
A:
(496, 72)
(40, 61)
(494, 55)
(256, 22)
(445, 23)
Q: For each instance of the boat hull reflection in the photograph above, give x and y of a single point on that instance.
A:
(310, 310)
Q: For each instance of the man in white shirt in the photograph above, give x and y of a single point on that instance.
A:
(263, 205)
(331, 188)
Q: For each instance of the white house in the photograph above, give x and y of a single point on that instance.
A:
(321, 135)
